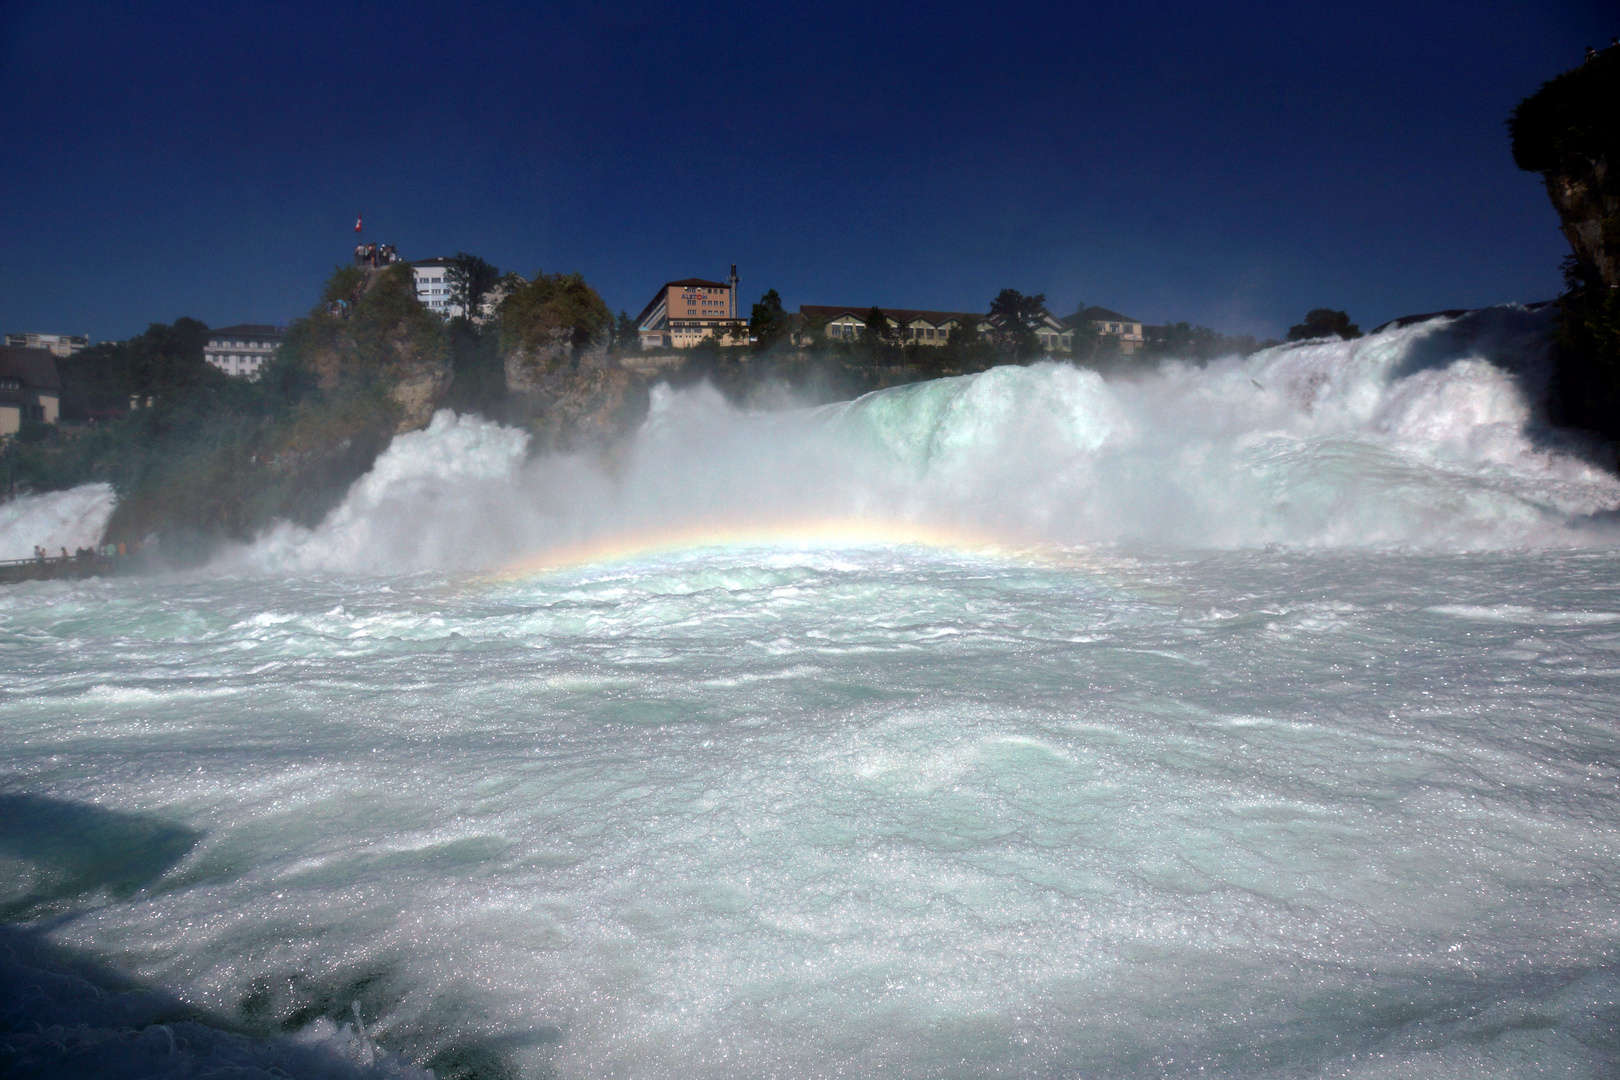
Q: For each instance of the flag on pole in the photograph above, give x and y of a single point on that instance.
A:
(357, 218)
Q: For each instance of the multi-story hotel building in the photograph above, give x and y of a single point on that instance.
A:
(241, 350)
(683, 313)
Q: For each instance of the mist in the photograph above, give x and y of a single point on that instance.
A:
(1424, 436)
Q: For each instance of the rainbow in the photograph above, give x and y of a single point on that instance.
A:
(803, 533)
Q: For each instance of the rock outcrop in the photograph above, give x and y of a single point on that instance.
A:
(1588, 205)
(419, 385)
(568, 408)
(1569, 132)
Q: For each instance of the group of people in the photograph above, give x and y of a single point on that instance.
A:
(375, 254)
(84, 554)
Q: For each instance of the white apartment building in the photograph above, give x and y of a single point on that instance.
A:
(433, 287)
(242, 350)
(55, 344)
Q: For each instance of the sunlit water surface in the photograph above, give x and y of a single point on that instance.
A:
(865, 811)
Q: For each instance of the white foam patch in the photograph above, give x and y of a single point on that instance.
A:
(55, 520)
(425, 502)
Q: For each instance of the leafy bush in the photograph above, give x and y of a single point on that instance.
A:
(1324, 322)
(552, 310)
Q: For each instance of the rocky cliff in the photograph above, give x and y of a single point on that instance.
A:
(1569, 132)
(571, 402)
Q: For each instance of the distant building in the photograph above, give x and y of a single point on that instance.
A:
(433, 287)
(30, 388)
(1054, 336)
(1111, 324)
(55, 344)
(242, 350)
(924, 327)
(683, 313)
(905, 324)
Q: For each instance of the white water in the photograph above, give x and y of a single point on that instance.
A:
(1172, 804)
(56, 520)
(1415, 437)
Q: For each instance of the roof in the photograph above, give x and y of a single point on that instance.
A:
(698, 282)
(1099, 314)
(246, 330)
(35, 367)
(439, 260)
(899, 315)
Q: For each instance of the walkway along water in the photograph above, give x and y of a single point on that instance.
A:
(50, 568)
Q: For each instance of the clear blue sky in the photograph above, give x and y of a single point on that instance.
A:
(1228, 165)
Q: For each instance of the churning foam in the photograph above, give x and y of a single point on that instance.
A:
(59, 519)
(1421, 436)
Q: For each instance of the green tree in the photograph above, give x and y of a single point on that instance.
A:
(769, 322)
(877, 330)
(814, 330)
(478, 378)
(1016, 318)
(1324, 322)
(964, 350)
(626, 334)
(1086, 337)
(169, 359)
(471, 279)
(390, 324)
(553, 309)
(344, 284)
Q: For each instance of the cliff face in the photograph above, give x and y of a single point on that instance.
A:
(419, 383)
(1589, 209)
(1569, 132)
(588, 405)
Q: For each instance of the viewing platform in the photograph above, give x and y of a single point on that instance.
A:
(53, 567)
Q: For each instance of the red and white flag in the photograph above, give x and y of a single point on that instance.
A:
(357, 222)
